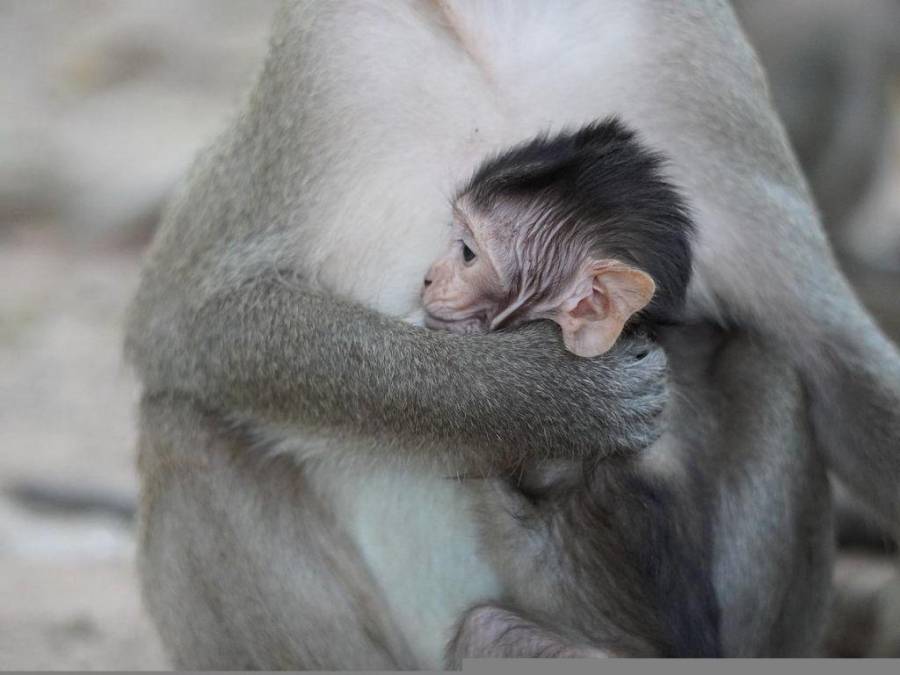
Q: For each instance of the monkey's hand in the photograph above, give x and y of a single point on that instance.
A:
(576, 407)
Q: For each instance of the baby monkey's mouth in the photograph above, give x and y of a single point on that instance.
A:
(467, 325)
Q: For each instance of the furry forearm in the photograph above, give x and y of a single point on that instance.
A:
(276, 352)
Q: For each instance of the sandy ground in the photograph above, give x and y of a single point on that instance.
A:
(104, 105)
(68, 593)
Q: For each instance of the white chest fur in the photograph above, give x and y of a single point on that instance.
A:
(417, 535)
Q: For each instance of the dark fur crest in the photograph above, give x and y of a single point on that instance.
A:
(608, 197)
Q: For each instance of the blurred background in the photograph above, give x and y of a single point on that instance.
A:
(104, 103)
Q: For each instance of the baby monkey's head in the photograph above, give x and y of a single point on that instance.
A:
(579, 228)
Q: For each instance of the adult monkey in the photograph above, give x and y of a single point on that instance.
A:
(365, 118)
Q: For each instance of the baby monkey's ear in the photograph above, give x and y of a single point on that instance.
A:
(595, 309)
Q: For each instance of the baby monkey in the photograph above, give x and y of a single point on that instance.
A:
(583, 229)
(580, 228)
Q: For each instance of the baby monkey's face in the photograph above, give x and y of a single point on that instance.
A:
(469, 288)
(465, 287)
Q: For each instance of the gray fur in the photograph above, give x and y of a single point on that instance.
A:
(742, 456)
(248, 344)
(408, 388)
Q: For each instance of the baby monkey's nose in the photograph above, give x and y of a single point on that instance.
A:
(427, 281)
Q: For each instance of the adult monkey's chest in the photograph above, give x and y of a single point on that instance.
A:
(418, 537)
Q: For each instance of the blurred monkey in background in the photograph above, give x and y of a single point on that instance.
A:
(831, 65)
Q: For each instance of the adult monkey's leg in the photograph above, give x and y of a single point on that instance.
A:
(237, 547)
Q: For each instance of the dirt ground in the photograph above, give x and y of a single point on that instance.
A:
(104, 105)
(68, 592)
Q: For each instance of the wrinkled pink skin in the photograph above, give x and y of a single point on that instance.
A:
(467, 289)
(459, 295)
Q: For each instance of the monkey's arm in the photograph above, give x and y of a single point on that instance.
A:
(272, 351)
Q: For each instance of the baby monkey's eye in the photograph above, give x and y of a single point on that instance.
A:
(468, 254)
